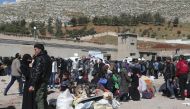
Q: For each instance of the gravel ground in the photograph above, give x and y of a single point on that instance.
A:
(158, 102)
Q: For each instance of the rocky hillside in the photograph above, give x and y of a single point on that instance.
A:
(43, 9)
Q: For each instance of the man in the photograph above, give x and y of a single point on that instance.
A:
(53, 73)
(75, 73)
(40, 74)
(101, 65)
(181, 73)
(150, 68)
(156, 65)
(143, 68)
(169, 74)
(16, 74)
(96, 68)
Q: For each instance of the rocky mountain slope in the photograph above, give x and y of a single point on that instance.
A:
(43, 9)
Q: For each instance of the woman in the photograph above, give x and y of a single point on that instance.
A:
(28, 97)
(133, 89)
(124, 84)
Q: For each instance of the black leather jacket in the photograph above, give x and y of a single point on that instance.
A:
(169, 71)
(41, 69)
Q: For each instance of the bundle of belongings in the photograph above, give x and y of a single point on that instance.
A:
(106, 101)
(101, 99)
(65, 98)
(146, 87)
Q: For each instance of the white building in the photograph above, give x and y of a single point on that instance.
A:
(127, 46)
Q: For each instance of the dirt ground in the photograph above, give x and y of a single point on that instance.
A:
(158, 102)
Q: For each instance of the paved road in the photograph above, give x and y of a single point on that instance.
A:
(11, 41)
(158, 102)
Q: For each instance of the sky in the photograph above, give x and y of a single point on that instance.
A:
(7, 1)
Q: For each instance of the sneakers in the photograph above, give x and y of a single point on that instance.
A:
(180, 98)
(172, 97)
(5, 94)
(20, 94)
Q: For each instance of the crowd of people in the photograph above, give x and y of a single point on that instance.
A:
(125, 80)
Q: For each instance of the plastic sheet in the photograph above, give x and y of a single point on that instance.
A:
(142, 85)
(64, 100)
(86, 105)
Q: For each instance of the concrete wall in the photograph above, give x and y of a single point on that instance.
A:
(65, 48)
(174, 41)
(55, 41)
(12, 49)
(147, 56)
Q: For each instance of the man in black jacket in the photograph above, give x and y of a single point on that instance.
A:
(169, 74)
(41, 71)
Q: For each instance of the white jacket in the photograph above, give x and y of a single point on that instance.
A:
(54, 66)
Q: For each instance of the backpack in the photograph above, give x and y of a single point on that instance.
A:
(156, 66)
(143, 68)
(147, 95)
(116, 81)
(161, 66)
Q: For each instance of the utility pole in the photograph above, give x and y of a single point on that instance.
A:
(35, 36)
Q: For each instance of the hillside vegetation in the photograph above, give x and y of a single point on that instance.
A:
(144, 25)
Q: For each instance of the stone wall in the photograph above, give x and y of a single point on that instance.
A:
(11, 49)
(42, 9)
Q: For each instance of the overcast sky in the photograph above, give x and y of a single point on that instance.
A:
(7, 1)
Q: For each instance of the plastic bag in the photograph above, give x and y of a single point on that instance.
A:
(64, 100)
(103, 81)
(79, 106)
(104, 102)
(147, 95)
(86, 105)
(108, 96)
(115, 104)
(142, 85)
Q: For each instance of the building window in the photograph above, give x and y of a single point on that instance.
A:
(132, 43)
(132, 54)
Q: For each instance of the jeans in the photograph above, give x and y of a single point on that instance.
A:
(170, 87)
(75, 74)
(182, 84)
(156, 74)
(52, 79)
(13, 78)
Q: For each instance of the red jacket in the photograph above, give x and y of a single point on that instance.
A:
(182, 68)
